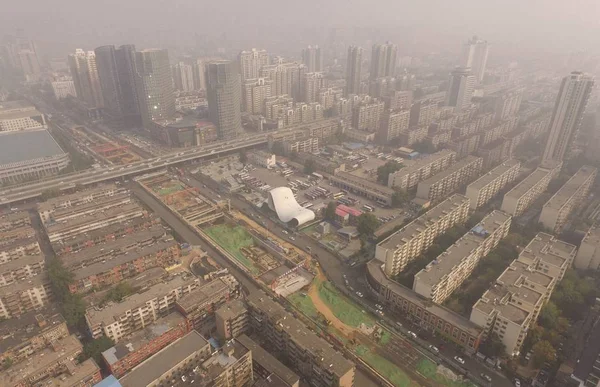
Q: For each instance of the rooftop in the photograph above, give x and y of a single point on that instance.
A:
(528, 183)
(202, 294)
(27, 145)
(376, 188)
(18, 330)
(38, 280)
(74, 198)
(494, 174)
(221, 361)
(414, 165)
(14, 217)
(490, 303)
(566, 192)
(164, 360)
(548, 249)
(18, 104)
(11, 115)
(467, 161)
(73, 378)
(268, 361)
(96, 218)
(446, 262)
(21, 262)
(98, 204)
(231, 309)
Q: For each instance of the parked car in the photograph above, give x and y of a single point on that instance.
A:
(486, 377)
(379, 306)
(434, 348)
(359, 294)
(517, 383)
(413, 334)
(459, 360)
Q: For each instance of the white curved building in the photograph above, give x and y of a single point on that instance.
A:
(282, 201)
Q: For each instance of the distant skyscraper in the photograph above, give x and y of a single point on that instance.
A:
(353, 70)
(251, 62)
(286, 76)
(254, 93)
(85, 76)
(199, 75)
(20, 55)
(570, 105)
(154, 85)
(183, 76)
(116, 70)
(312, 83)
(223, 92)
(475, 55)
(383, 60)
(312, 57)
(460, 88)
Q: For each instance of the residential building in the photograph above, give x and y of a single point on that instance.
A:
(231, 319)
(588, 255)
(323, 164)
(512, 305)
(309, 145)
(296, 345)
(117, 71)
(413, 136)
(406, 244)
(286, 76)
(439, 139)
(423, 112)
(329, 96)
(22, 269)
(507, 104)
(64, 87)
(25, 296)
(354, 70)
(117, 321)
(363, 187)
(359, 135)
(450, 269)
(267, 366)
(141, 345)
(312, 57)
(223, 92)
(430, 316)
(254, 94)
(251, 62)
(383, 60)
(398, 100)
(518, 199)
(450, 180)
(570, 105)
(421, 169)
(13, 249)
(86, 374)
(166, 367)
(393, 124)
(85, 76)
(311, 84)
(154, 85)
(484, 189)
(20, 115)
(460, 89)
(406, 82)
(262, 158)
(368, 116)
(199, 69)
(183, 76)
(475, 55)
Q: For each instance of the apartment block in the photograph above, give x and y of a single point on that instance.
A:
(11, 220)
(15, 249)
(292, 342)
(21, 269)
(400, 248)
(450, 269)
(465, 145)
(588, 255)
(393, 124)
(24, 296)
(449, 181)
(118, 320)
(556, 211)
(413, 135)
(439, 138)
(231, 320)
(362, 187)
(430, 316)
(416, 171)
(518, 199)
(308, 145)
(484, 189)
(139, 346)
(512, 305)
(231, 366)
(367, 116)
(86, 374)
(266, 366)
(166, 367)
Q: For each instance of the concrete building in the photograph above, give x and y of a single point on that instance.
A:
(309, 145)
(85, 76)
(484, 189)
(166, 367)
(286, 77)
(588, 255)
(393, 124)
(64, 87)
(363, 187)
(421, 169)
(296, 345)
(512, 305)
(354, 70)
(183, 76)
(199, 69)
(231, 366)
(24, 296)
(450, 180)
(266, 366)
(329, 96)
(383, 60)
(262, 158)
(311, 84)
(450, 269)
(20, 115)
(251, 62)
(413, 136)
(518, 199)
(22, 269)
(571, 102)
(30, 155)
(223, 92)
(85, 374)
(231, 320)
(475, 55)
(430, 316)
(154, 85)
(460, 89)
(255, 92)
(567, 199)
(403, 246)
(368, 116)
(312, 57)
(507, 104)
(423, 112)
(398, 100)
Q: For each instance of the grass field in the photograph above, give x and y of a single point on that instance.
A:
(348, 312)
(305, 304)
(428, 369)
(233, 239)
(170, 189)
(387, 369)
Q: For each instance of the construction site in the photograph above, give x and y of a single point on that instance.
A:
(104, 148)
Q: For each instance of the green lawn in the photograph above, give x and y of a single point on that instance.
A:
(385, 337)
(428, 369)
(305, 304)
(233, 239)
(387, 369)
(344, 309)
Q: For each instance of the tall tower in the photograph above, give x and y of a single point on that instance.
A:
(154, 85)
(251, 62)
(116, 70)
(85, 76)
(223, 92)
(460, 88)
(383, 60)
(312, 57)
(572, 99)
(475, 55)
(254, 93)
(199, 75)
(312, 83)
(353, 69)
(183, 75)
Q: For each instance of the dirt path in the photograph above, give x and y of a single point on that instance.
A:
(313, 293)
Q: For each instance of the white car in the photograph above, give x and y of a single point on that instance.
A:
(379, 306)
(517, 383)
(434, 349)
(413, 334)
(359, 294)
(459, 360)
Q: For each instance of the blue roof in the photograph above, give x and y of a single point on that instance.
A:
(109, 381)
(354, 145)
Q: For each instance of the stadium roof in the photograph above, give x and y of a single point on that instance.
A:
(27, 145)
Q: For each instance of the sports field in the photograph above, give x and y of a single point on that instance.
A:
(233, 239)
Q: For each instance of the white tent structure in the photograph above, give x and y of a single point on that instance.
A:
(282, 201)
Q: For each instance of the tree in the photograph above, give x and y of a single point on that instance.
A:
(310, 166)
(116, 294)
(243, 157)
(367, 223)
(549, 315)
(278, 149)
(399, 198)
(95, 348)
(424, 146)
(293, 155)
(60, 279)
(50, 193)
(384, 171)
(73, 310)
(543, 352)
(330, 211)
(493, 346)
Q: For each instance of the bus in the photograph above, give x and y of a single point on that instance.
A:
(338, 195)
(309, 205)
(368, 208)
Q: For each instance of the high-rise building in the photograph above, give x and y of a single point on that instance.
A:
(312, 83)
(63, 87)
(475, 55)
(154, 85)
(85, 75)
(20, 55)
(286, 76)
(254, 93)
(570, 105)
(312, 57)
(199, 75)
(183, 77)
(353, 70)
(223, 92)
(251, 62)
(460, 89)
(383, 60)
(116, 71)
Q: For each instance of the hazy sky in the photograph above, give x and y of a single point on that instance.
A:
(551, 25)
